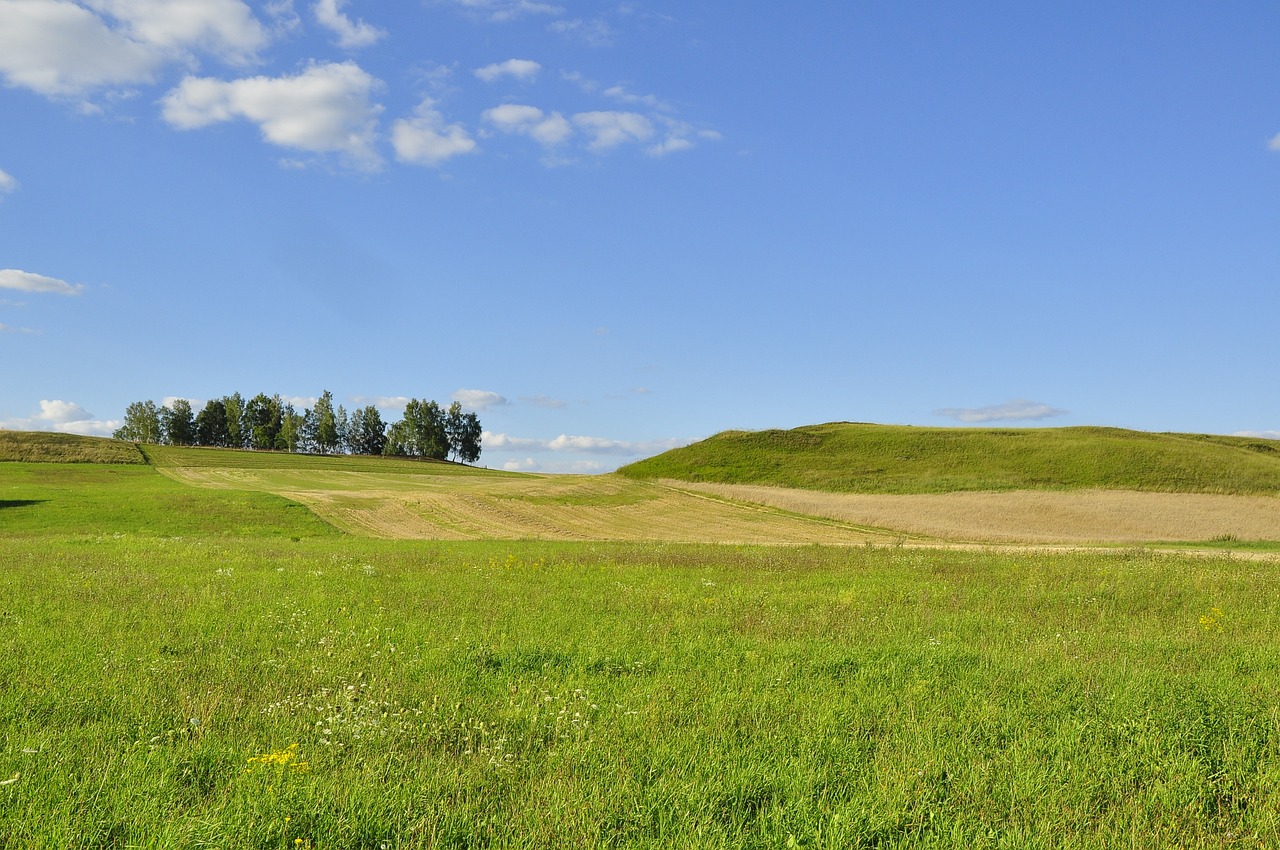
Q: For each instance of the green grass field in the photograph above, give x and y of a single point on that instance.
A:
(852, 458)
(199, 671)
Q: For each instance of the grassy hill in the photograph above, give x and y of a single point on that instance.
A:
(844, 457)
(47, 447)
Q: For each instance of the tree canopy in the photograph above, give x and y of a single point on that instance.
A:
(268, 422)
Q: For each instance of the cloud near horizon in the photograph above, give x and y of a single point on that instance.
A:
(64, 416)
(1013, 411)
(587, 445)
(32, 282)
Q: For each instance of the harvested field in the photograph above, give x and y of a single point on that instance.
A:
(451, 507)
(1077, 517)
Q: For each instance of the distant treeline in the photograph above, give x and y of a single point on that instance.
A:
(267, 422)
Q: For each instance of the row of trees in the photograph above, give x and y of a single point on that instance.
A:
(267, 422)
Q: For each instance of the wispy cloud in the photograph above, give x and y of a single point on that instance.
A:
(478, 399)
(1266, 435)
(325, 109)
(7, 183)
(31, 282)
(520, 69)
(544, 402)
(593, 33)
(352, 35)
(501, 11)
(1275, 143)
(1018, 410)
(580, 444)
(609, 129)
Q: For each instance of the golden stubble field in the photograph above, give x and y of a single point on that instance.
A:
(607, 507)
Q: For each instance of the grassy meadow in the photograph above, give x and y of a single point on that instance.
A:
(230, 671)
(844, 457)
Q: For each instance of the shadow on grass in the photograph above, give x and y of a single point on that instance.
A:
(20, 503)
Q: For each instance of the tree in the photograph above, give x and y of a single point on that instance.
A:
(341, 426)
(211, 425)
(291, 426)
(260, 421)
(468, 448)
(141, 423)
(366, 433)
(234, 406)
(321, 431)
(425, 423)
(177, 423)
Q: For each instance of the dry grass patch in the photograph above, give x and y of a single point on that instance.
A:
(568, 507)
(1089, 516)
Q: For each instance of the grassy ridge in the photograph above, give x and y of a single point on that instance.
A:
(857, 458)
(46, 447)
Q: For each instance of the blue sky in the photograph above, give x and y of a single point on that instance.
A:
(612, 228)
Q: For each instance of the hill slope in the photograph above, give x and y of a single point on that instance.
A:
(844, 457)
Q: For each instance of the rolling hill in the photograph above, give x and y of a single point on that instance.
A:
(843, 457)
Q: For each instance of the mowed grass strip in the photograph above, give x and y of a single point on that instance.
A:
(520, 507)
(197, 458)
(38, 499)
(1105, 517)
(349, 693)
(857, 458)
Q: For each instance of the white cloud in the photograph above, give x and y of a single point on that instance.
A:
(530, 121)
(351, 34)
(620, 94)
(545, 402)
(1266, 435)
(7, 183)
(65, 416)
(1017, 410)
(425, 139)
(224, 28)
(1275, 143)
(506, 10)
(382, 402)
(59, 49)
(325, 109)
(10, 329)
(610, 129)
(521, 69)
(594, 33)
(478, 399)
(30, 282)
(579, 444)
(62, 49)
(520, 465)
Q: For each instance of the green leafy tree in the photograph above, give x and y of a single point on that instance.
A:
(291, 427)
(341, 426)
(321, 432)
(234, 406)
(141, 423)
(261, 421)
(367, 433)
(177, 423)
(211, 425)
(467, 448)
